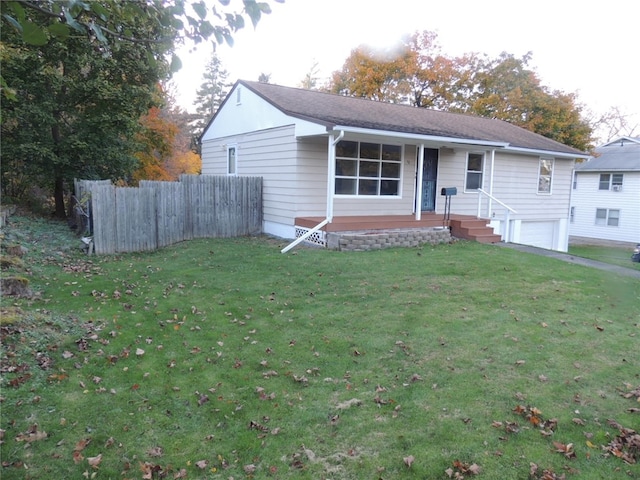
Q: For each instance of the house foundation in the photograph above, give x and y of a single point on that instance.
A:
(376, 240)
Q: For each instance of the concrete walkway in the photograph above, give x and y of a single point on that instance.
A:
(565, 257)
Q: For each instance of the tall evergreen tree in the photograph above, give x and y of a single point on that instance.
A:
(211, 93)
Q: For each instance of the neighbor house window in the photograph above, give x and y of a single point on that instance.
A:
(572, 214)
(610, 181)
(475, 162)
(608, 217)
(545, 175)
(364, 168)
(232, 159)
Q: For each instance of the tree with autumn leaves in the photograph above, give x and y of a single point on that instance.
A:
(416, 72)
(165, 142)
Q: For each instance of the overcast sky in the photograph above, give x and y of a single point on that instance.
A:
(588, 48)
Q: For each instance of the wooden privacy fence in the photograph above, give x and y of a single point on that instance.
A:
(157, 214)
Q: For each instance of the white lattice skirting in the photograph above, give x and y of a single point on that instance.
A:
(316, 238)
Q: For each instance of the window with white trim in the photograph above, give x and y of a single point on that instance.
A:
(232, 160)
(371, 169)
(545, 175)
(475, 163)
(611, 181)
(607, 217)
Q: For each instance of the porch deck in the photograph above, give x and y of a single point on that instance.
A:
(380, 222)
(375, 231)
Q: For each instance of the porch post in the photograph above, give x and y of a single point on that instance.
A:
(331, 177)
(419, 182)
(489, 202)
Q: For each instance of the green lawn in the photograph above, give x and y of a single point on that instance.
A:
(614, 255)
(227, 359)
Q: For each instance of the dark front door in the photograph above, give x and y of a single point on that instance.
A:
(429, 177)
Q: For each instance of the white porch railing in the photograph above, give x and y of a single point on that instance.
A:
(506, 223)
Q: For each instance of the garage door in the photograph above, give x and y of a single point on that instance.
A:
(538, 234)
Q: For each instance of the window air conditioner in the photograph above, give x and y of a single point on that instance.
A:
(616, 188)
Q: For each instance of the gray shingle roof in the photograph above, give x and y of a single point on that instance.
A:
(336, 110)
(620, 155)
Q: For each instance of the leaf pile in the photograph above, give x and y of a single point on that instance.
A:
(626, 445)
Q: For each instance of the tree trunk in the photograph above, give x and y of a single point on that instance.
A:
(58, 195)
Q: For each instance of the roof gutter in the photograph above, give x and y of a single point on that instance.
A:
(420, 137)
(550, 153)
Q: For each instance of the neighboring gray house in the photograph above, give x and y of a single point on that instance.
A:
(344, 163)
(605, 203)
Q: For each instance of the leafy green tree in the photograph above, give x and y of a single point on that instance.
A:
(211, 93)
(109, 21)
(75, 113)
(78, 75)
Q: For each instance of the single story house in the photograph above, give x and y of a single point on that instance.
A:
(332, 162)
(605, 203)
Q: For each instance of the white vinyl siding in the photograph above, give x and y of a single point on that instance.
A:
(270, 154)
(588, 197)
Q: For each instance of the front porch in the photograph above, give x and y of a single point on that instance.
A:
(380, 231)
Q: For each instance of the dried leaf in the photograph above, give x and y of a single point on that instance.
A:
(94, 461)
(408, 461)
(202, 464)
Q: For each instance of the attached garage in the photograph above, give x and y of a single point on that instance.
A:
(543, 234)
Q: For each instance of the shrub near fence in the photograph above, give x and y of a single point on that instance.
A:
(157, 214)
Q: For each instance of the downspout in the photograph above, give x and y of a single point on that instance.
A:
(419, 182)
(331, 186)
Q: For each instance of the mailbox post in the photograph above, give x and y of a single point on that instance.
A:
(447, 193)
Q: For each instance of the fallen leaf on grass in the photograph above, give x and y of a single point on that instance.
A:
(408, 461)
(566, 450)
(461, 469)
(155, 452)
(202, 464)
(95, 461)
(32, 435)
(545, 474)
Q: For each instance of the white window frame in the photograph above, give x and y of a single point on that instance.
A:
(379, 178)
(545, 178)
(612, 181)
(607, 217)
(479, 173)
(232, 154)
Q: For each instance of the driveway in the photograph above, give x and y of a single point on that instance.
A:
(565, 257)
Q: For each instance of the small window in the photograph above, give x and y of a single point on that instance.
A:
(572, 214)
(605, 180)
(474, 171)
(232, 160)
(238, 96)
(545, 175)
(606, 217)
(611, 181)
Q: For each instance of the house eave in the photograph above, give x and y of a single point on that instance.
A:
(546, 153)
(442, 141)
